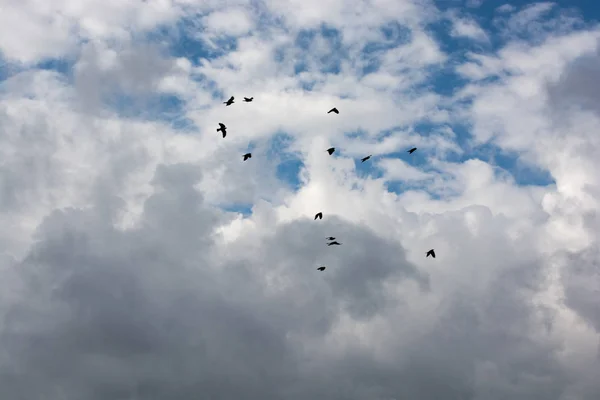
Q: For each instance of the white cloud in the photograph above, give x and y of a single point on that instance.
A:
(465, 27)
(505, 8)
(124, 277)
(234, 21)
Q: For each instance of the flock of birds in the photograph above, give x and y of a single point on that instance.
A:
(332, 242)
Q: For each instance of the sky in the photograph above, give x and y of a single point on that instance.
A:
(142, 258)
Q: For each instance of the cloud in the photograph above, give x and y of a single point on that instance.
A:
(126, 275)
(468, 28)
(234, 22)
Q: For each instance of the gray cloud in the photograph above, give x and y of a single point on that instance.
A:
(109, 310)
(105, 74)
(157, 310)
(582, 283)
(579, 85)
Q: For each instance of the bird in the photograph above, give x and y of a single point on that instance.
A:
(321, 269)
(247, 156)
(248, 99)
(222, 128)
(319, 215)
(365, 159)
(229, 102)
(331, 150)
(430, 253)
(330, 238)
(333, 244)
(412, 150)
(335, 110)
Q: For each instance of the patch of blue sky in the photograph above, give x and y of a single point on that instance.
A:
(368, 169)
(184, 39)
(307, 85)
(398, 187)
(329, 63)
(244, 209)
(151, 107)
(288, 171)
(445, 81)
(61, 65)
(332, 62)
(8, 68)
(493, 22)
(510, 162)
(289, 164)
(393, 35)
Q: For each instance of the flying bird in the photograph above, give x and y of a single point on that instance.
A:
(330, 238)
(333, 244)
(412, 150)
(248, 99)
(430, 253)
(331, 150)
(335, 110)
(229, 102)
(247, 156)
(321, 269)
(222, 128)
(366, 158)
(319, 215)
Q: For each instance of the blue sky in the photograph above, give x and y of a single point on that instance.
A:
(180, 40)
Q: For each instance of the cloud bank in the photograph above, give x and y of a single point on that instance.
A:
(141, 258)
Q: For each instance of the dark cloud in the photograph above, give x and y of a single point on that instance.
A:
(581, 278)
(160, 311)
(579, 86)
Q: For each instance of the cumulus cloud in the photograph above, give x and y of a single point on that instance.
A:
(141, 259)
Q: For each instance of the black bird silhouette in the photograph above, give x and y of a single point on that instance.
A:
(335, 110)
(430, 253)
(366, 158)
(412, 150)
(229, 102)
(331, 150)
(321, 269)
(248, 99)
(319, 215)
(222, 128)
(247, 156)
(333, 244)
(330, 238)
